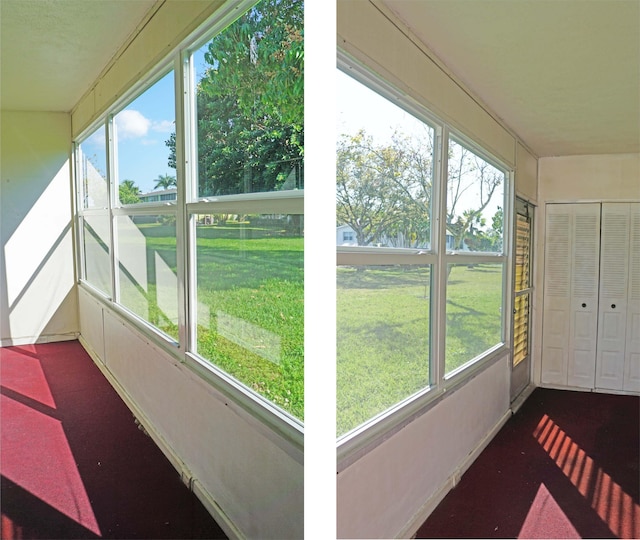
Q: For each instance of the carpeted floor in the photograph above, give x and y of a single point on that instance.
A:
(565, 466)
(74, 463)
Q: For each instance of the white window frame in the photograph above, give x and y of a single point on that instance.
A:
(357, 442)
(278, 425)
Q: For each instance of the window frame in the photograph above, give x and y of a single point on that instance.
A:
(283, 428)
(357, 442)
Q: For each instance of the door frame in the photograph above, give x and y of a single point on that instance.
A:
(521, 372)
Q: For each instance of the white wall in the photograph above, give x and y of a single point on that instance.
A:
(38, 301)
(594, 178)
(249, 478)
(390, 491)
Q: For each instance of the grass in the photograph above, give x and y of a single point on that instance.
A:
(250, 294)
(383, 332)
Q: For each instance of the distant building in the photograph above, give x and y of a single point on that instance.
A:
(346, 236)
(160, 195)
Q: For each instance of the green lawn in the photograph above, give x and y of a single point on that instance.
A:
(250, 295)
(383, 332)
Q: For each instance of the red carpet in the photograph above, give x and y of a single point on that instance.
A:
(74, 464)
(565, 466)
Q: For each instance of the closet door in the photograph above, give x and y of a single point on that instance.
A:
(614, 284)
(572, 250)
(631, 375)
(585, 262)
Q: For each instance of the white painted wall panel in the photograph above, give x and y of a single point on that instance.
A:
(380, 495)
(526, 174)
(91, 324)
(38, 299)
(256, 481)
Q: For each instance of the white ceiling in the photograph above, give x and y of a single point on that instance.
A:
(51, 51)
(562, 74)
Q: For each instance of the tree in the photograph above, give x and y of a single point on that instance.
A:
(384, 191)
(128, 192)
(250, 106)
(165, 181)
(472, 182)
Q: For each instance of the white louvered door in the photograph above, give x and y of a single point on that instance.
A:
(572, 255)
(591, 318)
(557, 297)
(612, 312)
(631, 373)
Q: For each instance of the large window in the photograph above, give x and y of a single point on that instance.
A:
(385, 168)
(246, 200)
(421, 262)
(192, 212)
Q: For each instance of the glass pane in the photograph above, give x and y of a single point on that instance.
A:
(474, 311)
(145, 142)
(475, 202)
(521, 329)
(147, 269)
(92, 170)
(382, 339)
(250, 107)
(523, 240)
(97, 262)
(250, 302)
(384, 171)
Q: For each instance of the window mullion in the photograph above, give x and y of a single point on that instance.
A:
(438, 303)
(181, 218)
(112, 183)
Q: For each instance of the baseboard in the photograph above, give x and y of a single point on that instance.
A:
(185, 474)
(36, 340)
(522, 397)
(412, 526)
(216, 512)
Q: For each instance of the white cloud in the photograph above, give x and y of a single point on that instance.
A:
(162, 126)
(131, 123)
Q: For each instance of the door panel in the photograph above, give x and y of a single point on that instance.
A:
(612, 313)
(572, 255)
(631, 377)
(521, 356)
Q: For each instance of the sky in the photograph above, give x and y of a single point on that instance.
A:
(142, 127)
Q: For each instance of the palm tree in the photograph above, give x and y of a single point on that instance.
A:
(165, 181)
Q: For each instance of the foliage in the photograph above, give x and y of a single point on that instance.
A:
(384, 191)
(165, 181)
(470, 176)
(128, 192)
(250, 103)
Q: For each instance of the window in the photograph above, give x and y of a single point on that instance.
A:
(145, 238)
(420, 215)
(383, 188)
(474, 220)
(93, 197)
(191, 207)
(246, 212)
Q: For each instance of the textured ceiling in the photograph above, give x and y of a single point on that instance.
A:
(51, 51)
(563, 74)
